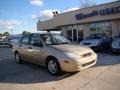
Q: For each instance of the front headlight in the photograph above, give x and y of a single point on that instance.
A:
(72, 55)
(115, 44)
(95, 43)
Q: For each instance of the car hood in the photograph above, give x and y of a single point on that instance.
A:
(116, 41)
(90, 40)
(76, 49)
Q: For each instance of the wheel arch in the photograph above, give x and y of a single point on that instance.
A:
(58, 65)
(48, 57)
(16, 51)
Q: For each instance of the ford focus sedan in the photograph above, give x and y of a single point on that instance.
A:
(54, 52)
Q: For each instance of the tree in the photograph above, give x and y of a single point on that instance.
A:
(25, 32)
(87, 3)
(7, 34)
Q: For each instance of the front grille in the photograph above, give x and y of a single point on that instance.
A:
(86, 54)
(86, 43)
(86, 64)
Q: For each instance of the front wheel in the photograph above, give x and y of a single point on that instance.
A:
(100, 48)
(18, 58)
(53, 66)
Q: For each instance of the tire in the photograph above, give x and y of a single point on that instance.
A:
(53, 66)
(18, 58)
(100, 49)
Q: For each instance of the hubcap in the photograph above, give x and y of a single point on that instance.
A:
(52, 66)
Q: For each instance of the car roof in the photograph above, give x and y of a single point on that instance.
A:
(42, 34)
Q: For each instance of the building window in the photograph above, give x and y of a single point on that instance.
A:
(102, 27)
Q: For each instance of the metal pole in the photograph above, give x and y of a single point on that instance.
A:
(11, 31)
(96, 29)
(77, 33)
(72, 34)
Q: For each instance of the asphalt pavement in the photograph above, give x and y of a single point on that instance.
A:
(105, 75)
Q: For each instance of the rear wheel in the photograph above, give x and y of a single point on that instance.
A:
(18, 58)
(53, 66)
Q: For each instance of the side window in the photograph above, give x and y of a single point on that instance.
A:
(25, 40)
(47, 39)
(35, 40)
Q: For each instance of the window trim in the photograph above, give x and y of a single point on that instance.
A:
(32, 36)
(24, 37)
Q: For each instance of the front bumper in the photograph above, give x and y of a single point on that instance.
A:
(93, 47)
(115, 49)
(81, 64)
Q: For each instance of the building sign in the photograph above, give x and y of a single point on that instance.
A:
(107, 11)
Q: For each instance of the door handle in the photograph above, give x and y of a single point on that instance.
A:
(30, 49)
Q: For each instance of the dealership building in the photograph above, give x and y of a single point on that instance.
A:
(104, 18)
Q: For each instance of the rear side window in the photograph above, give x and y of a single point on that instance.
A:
(25, 40)
(35, 39)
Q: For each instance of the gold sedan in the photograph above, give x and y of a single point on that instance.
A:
(54, 52)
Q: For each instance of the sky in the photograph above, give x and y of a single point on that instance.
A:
(22, 15)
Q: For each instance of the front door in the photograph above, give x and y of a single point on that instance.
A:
(75, 33)
(72, 35)
(36, 51)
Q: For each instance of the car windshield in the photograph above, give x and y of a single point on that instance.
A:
(94, 36)
(54, 39)
(15, 37)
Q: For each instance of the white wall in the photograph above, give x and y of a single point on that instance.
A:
(115, 27)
